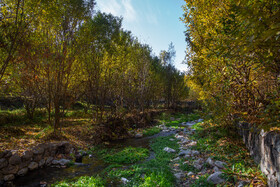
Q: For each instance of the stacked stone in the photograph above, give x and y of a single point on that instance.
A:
(12, 164)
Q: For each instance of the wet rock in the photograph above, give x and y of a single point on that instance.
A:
(210, 162)
(139, 135)
(10, 170)
(27, 155)
(49, 161)
(124, 180)
(220, 164)
(63, 162)
(169, 150)
(215, 178)
(42, 163)
(33, 165)
(22, 172)
(9, 177)
(15, 159)
(3, 163)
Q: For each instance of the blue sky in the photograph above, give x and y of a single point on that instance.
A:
(154, 22)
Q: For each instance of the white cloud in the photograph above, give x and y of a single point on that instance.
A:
(122, 8)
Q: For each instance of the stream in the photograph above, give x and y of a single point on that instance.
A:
(88, 167)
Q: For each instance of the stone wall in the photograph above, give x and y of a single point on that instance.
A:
(13, 164)
(264, 147)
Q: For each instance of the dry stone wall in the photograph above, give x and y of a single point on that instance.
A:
(264, 147)
(47, 154)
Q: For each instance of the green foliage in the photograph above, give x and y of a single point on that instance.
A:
(83, 182)
(128, 155)
(202, 181)
(223, 144)
(151, 131)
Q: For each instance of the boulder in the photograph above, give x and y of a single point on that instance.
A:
(3, 163)
(22, 172)
(139, 135)
(55, 162)
(9, 177)
(8, 153)
(194, 153)
(27, 155)
(210, 162)
(169, 150)
(38, 150)
(216, 169)
(15, 159)
(33, 165)
(186, 152)
(216, 178)
(220, 164)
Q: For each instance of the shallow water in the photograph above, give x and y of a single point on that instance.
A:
(89, 166)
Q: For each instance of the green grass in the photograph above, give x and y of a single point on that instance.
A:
(151, 131)
(155, 172)
(128, 155)
(84, 181)
(202, 181)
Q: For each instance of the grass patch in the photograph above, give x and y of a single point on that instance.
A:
(155, 172)
(83, 182)
(128, 155)
(202, 181)
(151, 131)
(177, 118)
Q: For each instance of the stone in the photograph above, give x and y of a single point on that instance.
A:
(171, 139)
(27, 155)
(90, 156)
(190, 173)
(10, 170)
(198, 166)
(186, 152)
(33, 165)
(63, 162)
(9, 177)
(55, 162)
(215, 178)
(42, 163)
(3, 163)
(216, 169)
(139, 135)
(22, 172)
(179, 175)
(210, 162)
(194, 153)
(124, 180)
(169, 150)
(38, 150)
(176, 159)
(242, 183)
(172, 119)
(220, 164)
(8, 153)
(15, 159)
(49, 161)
